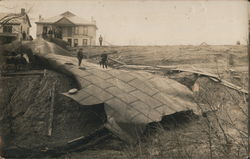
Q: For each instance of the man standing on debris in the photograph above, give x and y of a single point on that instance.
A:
(104, 60)
(100, 40)
(79, 56)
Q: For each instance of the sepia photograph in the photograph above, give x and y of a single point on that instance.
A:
(124, 79)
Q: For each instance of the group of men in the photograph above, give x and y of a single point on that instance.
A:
(104, 57)
(103, 62)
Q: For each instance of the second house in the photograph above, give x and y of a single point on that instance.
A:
(68, 27)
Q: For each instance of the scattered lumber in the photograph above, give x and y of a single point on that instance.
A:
(194, 70)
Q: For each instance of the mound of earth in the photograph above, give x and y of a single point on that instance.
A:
(26, 103)
(46, 47)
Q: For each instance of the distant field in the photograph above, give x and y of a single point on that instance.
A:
(230, 62)
(206, 57)
(215, 59)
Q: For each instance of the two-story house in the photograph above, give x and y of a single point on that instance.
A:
(14, 26)
(69, 27)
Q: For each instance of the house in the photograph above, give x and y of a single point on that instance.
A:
(14, 26)
(68, 27)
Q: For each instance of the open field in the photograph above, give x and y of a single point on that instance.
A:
(213, 58)
(228, 62)
(205, 56)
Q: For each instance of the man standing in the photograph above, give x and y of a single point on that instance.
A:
(79, 56)
(24, 35)
(104, 60)
(100, 40)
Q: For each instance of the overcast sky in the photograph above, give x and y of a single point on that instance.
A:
(216, 22)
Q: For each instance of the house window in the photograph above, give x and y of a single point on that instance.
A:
(76, 30)
(69, 31)
(70, 42)
(45, 29)
(85, 31)
(75, 42)
(7, 29)
(84, 42)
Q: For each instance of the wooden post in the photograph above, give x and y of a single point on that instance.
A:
(1, 146)
(44, 72)
(51, 112)
(248, 125)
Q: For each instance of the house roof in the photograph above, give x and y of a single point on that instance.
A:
(13, 18)
(69, 16)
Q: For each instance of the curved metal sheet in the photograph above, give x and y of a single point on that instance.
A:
(130, 97)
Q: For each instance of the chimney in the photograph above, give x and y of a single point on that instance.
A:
(22, 11)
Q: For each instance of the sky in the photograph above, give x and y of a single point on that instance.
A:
(148, 22)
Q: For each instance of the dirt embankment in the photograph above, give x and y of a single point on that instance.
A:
(26, 105)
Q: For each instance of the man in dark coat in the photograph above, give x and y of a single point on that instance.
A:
(100, 40)
(104, 60)
(80, 56)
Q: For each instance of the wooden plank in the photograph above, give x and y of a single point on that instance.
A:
(23, 73)
(198, 72)
(195, 71)
(122, 63)
(76, 139)
(139, 67)
(51, 112)
(214, 78)
(232, 86)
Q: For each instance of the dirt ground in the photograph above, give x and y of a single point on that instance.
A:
(25, 112)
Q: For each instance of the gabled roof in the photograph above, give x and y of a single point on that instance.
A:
(50, 20)
(14, 18)
(69, 16)
(64, 21)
